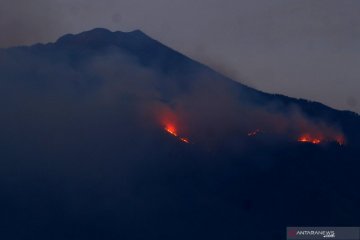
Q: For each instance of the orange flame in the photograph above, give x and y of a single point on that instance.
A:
(171, 129)
(309, 139)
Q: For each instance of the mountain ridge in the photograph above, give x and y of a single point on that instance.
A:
(140, 44)
(105, 37)
(170, 63)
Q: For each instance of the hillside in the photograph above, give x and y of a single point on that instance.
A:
(113, 135)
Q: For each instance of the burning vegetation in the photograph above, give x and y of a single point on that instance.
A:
(304, 138)
(171, 129)
(299, 131)
(308, 138)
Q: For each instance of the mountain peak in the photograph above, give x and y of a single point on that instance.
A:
(98, 36)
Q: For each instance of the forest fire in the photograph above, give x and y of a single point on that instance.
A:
(171, 129)
(185, 140)
(308, 134)
(309, 139)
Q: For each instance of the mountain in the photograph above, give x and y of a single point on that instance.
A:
(113, 135)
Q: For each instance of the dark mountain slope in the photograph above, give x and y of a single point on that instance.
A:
(84, 152)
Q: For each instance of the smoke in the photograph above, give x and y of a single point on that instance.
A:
(113, 89)
(212, 113)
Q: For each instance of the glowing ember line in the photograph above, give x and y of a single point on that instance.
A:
(316, 140)
(172, 130)
(185, 140)
(309, 139)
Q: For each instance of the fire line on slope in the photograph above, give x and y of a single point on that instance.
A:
(171, 129)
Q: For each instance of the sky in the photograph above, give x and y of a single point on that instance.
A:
(301, 48)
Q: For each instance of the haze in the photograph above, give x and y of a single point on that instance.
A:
(306, 49)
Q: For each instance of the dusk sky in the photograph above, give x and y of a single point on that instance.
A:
(305, 49)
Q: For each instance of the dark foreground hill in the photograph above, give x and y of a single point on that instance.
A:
(112, 135)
